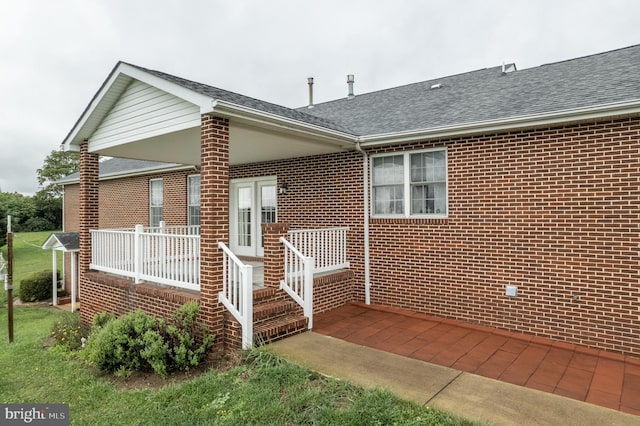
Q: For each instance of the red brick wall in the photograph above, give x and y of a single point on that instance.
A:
(323, 191)
(120, 296)
(553, 211)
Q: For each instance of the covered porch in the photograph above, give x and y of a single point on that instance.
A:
(146, 115)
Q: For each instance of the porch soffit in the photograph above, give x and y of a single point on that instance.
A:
(247, 144)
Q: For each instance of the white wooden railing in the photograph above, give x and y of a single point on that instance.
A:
(165, 258)
(237, 293)
(327, 246)
(175, 230)
(298, 278)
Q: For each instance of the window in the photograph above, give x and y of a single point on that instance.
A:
(155, 202)
(194, 200)
(410, 184)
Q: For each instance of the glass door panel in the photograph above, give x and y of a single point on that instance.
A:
(244, 217)
(268, 209)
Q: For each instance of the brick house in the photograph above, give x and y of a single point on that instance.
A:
(501, 197)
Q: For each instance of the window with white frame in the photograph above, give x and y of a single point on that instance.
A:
(194, 200)
(410, 184)
(155, 202)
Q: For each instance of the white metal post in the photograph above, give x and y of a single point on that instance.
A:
(137, 253)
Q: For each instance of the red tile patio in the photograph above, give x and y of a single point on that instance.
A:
(598, 377)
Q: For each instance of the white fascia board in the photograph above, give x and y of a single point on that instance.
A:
(288, 125)
(535, 120)
(71, 143)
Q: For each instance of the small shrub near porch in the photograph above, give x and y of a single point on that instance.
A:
(140, 342)
(36, 286)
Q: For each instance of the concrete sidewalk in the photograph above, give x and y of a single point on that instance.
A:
(462, 394)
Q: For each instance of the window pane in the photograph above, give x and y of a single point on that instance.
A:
(388, 170)
(429, 199)
(244, 217)
(194, 215)
(268, 202)
(388, 200)
(155, 202)
(156, 216)
(428, 166)
(194, 190)
(194, 200)
(155, 192)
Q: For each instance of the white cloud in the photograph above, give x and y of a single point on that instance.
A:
(56, 54)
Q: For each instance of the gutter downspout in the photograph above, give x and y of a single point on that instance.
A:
(367, 259)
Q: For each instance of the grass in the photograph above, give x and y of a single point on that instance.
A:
(264, 389)
(28, 257)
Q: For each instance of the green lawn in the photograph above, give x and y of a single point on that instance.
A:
(28, 258)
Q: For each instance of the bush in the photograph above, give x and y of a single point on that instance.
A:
(101, 319)
(36, 287)
(69, 332)
(138, 341)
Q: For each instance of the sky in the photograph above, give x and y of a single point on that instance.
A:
(54, 55)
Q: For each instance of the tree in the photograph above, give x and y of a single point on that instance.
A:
(48, 201)
(21, 209)
(57, 165)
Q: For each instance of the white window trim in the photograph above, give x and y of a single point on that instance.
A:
(407, 186)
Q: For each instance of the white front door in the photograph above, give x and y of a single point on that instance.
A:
(253, 202)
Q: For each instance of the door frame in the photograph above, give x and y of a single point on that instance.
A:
(255, 249)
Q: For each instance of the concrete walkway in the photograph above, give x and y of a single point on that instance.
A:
(462, 394)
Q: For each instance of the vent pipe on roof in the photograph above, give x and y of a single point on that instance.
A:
(310, 81)
(350, 81)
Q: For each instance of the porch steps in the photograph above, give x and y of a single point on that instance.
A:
(275, 316)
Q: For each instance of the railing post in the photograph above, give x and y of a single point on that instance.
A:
(308, 290)
(247, 307)
(137, 253)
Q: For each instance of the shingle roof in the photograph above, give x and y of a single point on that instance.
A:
(478, 96)
(246, 101)
(487, 95)
(67, 241)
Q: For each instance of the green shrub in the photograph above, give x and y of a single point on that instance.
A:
(185, 350)
(69, 332)
(36, 286)
(101, 319)
(138, 341)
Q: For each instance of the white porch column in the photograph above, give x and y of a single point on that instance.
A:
(54, 277)
(74, 283)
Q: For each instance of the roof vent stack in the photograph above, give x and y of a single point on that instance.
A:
(350, 81)
(310, 81)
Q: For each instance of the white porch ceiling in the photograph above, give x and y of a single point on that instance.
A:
(248, 144)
